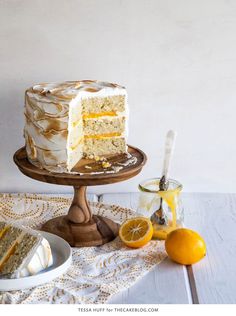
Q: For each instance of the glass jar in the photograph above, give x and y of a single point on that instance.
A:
(164, 208)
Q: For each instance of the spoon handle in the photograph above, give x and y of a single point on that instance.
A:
(169, 149)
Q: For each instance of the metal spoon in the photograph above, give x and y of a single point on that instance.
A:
(158, 216)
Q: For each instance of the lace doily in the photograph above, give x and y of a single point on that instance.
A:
(97, 273)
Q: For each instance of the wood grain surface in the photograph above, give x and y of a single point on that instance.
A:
(213, 215)
(210, 281)
(167, 283)
(79, 227)
(28, 169)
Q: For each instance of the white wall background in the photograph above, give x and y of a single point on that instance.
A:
(177, 60)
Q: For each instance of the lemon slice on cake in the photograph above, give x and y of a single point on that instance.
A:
(136, 232)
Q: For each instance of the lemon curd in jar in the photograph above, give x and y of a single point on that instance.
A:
(163, 207)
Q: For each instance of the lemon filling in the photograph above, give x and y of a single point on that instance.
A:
(12, 249)
(97, 115)
(100, 136)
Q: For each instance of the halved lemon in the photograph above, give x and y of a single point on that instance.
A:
(136, 232)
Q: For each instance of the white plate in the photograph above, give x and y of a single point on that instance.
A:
(62, 258)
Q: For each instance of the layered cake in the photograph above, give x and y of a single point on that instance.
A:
(71, 120)
(23, 252)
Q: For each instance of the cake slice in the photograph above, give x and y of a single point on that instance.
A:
(23, 252)
(68, 121)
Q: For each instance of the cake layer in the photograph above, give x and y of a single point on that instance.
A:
(104, 125)
(22, 252)
(7, 241)
(104, 146)
(115, 103)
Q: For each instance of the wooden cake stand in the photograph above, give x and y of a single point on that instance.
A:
(79, 227)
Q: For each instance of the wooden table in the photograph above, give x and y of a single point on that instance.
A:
(212, 280)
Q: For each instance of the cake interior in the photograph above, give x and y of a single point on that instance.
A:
(96, 127)
(15, 245)
(68, 121)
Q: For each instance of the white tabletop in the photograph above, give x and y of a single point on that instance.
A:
(212, 280)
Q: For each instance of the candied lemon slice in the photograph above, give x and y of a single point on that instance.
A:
(136, 232)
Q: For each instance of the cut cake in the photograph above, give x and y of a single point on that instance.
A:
(23, 252)
(71, 120)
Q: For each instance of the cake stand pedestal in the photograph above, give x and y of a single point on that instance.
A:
(80, 227)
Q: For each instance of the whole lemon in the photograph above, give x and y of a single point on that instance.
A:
(185, 246)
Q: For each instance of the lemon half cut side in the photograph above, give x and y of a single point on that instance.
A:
(136, 232)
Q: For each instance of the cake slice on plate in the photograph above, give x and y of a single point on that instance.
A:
(23, 252)
(71, 120)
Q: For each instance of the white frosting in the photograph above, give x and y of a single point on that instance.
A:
(41, 260)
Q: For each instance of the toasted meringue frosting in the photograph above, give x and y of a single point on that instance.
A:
(54, 115)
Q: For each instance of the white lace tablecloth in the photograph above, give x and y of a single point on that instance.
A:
(97, 272)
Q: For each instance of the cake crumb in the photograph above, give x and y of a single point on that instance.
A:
(88, 167)
(106, 164)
